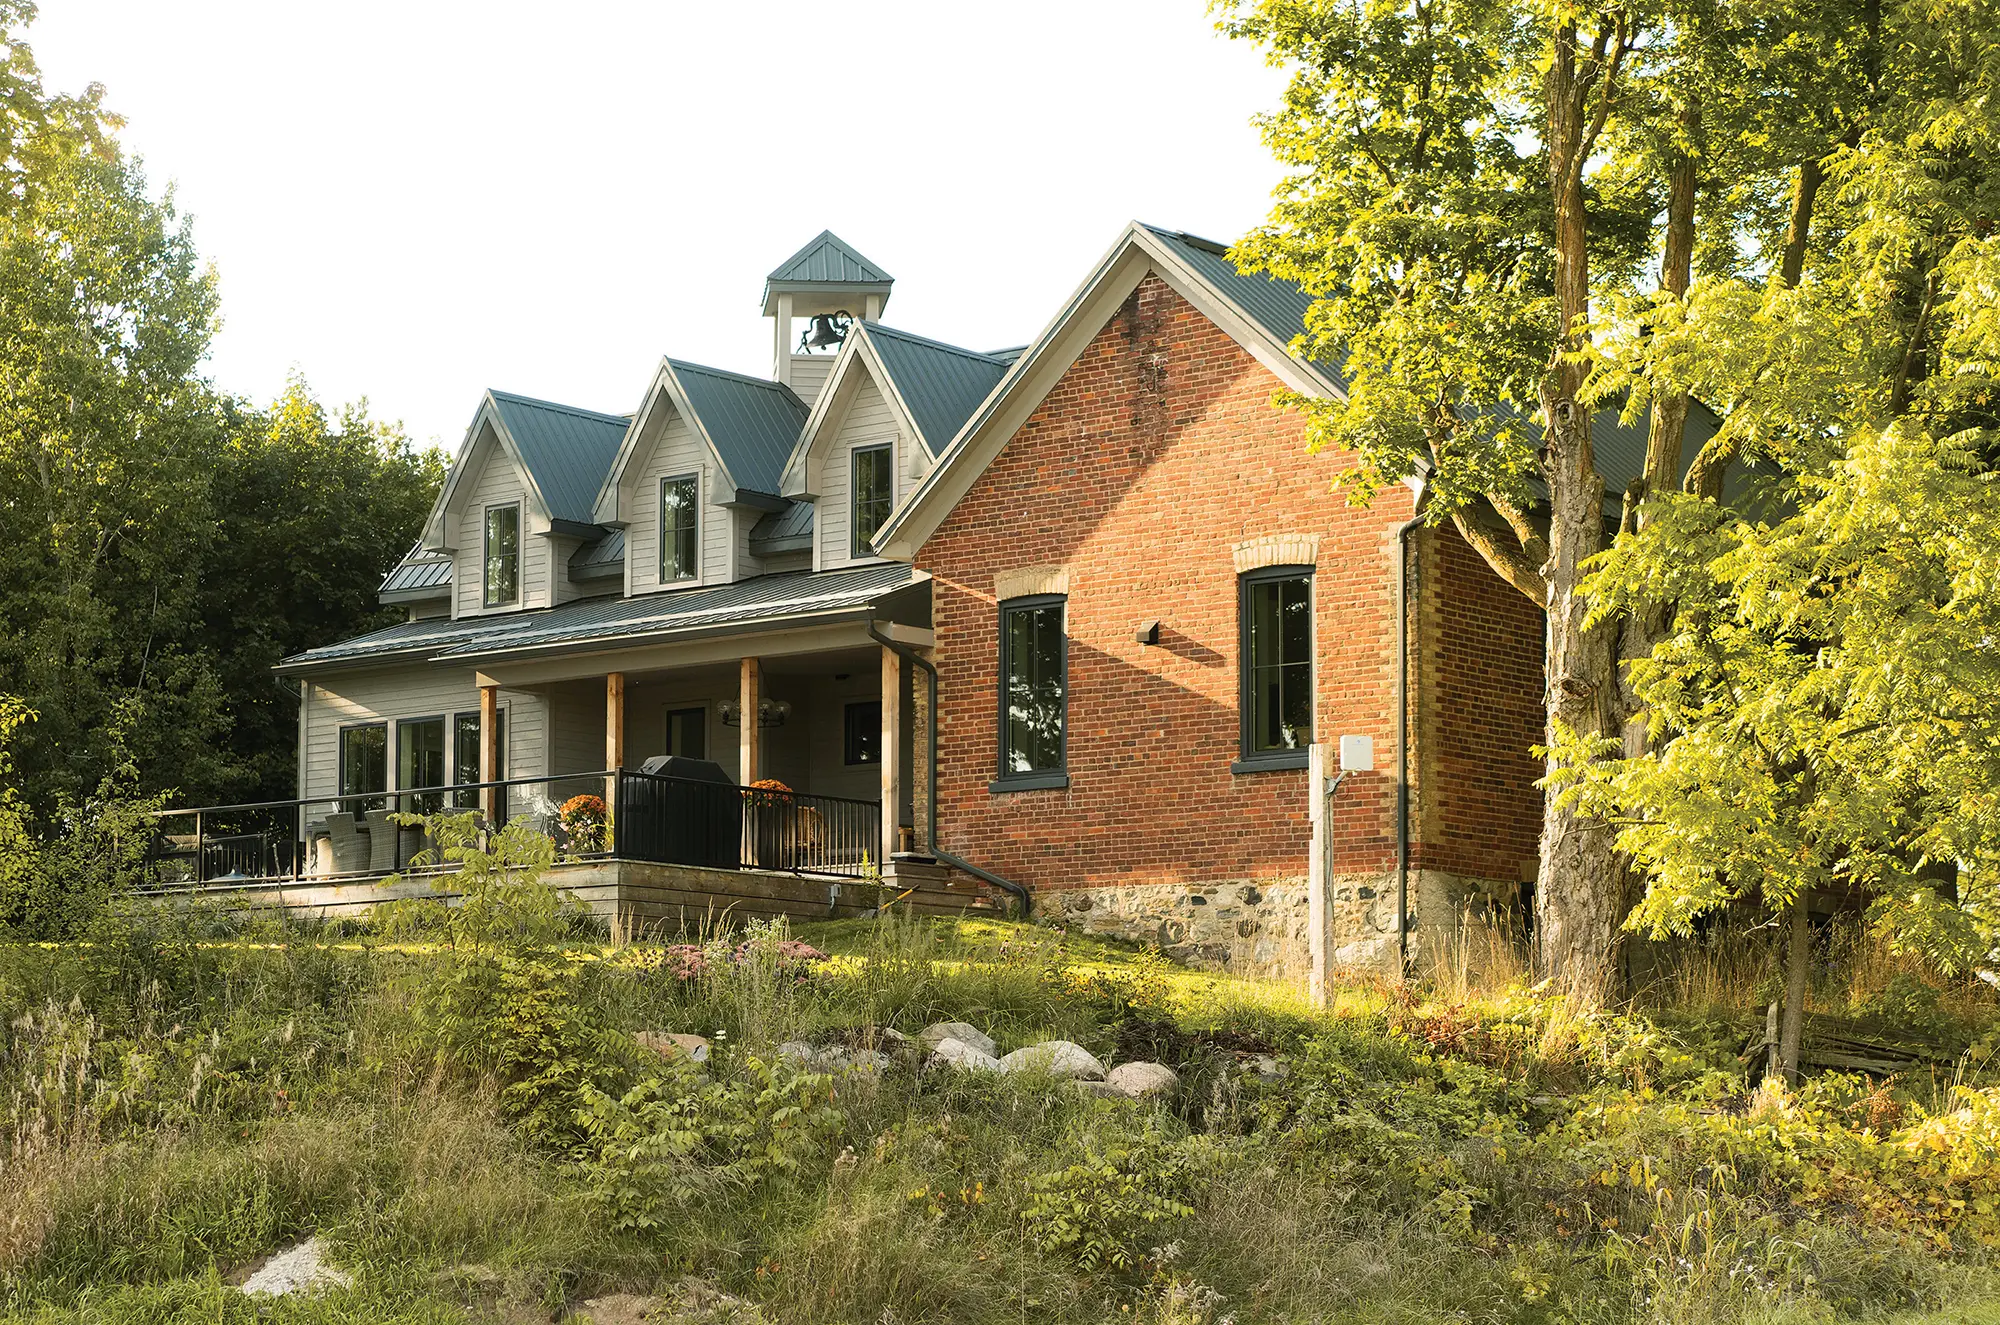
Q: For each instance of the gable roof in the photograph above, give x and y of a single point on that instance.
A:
(940, 384)
(1278, 306)
(565, 449)
(826, 260)
(752, 422)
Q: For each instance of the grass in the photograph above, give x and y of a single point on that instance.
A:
(183, 1097)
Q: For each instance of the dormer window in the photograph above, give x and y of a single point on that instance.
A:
(680, 529)
(874, 494)
(503, 555)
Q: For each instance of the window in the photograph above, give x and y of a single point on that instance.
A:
(364, 766)
(687, 733)
(420, 763)
(861, 742)
(465, 754)
(1033, 701)
(874, 494)
(1276, 662)
(680, 546)
(503, 555)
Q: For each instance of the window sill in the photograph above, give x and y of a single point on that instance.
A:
(1283, 761)
(1028, 782)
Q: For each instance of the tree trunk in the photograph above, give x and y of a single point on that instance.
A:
(1579, 886)
(1798, 229)
(1791, 1039)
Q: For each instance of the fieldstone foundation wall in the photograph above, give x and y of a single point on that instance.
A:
(1260, 928)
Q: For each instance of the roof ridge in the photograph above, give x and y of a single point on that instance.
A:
(688, 364)
(1215, 246)
(620, 419)
(872, 328)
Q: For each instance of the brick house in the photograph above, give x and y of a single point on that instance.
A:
(1078, 622)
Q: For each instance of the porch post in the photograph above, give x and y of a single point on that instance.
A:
(892, 755)
(919, 774)
(614, 745)
(750, 693)
(489, 752)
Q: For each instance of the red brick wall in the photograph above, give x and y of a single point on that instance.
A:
(1478, 656)
(1155, 454)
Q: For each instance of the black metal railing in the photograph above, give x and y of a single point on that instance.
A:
(688, 821)
(650, 817)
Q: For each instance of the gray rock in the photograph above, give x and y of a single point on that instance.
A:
(964, 1034)
(299, 1269)
(965, 1057)
(798, 1051)
(1140, 1080)
(668, 1044)
(1058, 1058)
(1266, 1069)
(865, 1060)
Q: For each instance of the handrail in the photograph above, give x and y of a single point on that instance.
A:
(746, 790)
(303, 801)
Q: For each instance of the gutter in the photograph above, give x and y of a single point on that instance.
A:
(1018, 891)
(1403, 641)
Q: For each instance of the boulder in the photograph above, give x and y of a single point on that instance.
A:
(1140, 1080)
(938, 1031)
(668, 1044)
(1266, 1069)
(300, 1269)
(1058, 1058)
(965, 1057)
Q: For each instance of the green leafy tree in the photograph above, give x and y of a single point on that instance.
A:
(1482, 195)
(1822, 705)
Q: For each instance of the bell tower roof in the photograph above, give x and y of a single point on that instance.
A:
(826, 276)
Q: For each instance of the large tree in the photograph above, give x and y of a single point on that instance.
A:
(1481, 194)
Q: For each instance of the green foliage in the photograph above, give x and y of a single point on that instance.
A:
(1104, 1210)
(679, 1142)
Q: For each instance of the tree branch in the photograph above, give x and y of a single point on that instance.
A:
(1510, 562)
(1605, 99)
(1533, 545)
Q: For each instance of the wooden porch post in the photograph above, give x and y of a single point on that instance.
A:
(892, 755)
(750, 693)
(489, 752)
(614, 746)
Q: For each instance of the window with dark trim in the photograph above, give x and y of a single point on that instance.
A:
(1034, 694)
(861, 738)
(874, 494)
(687, 732)
(1276, 662)
(465, 754)
(364, 766)
(680, 529)
(503, 555)
(420, 763)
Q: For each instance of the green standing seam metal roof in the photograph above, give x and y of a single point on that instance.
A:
(783, 596)
(600, 558)
(754, 423)
(827, 259)
(567, 450)
(942, 384)
(789, 530)
(1279, 306)
(418, 570)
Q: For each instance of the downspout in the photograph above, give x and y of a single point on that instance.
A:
(1403, 578)
(1018, 891)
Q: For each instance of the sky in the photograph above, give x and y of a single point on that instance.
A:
(413, 201)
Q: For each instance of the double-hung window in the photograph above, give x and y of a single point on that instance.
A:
(680, 529)
(874, 494)
(1034, 694)
(1276, 665)
(503, 555)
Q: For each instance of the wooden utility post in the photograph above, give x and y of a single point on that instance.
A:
(750, 695)
(892, 755)
(489, 753)
(614, 746)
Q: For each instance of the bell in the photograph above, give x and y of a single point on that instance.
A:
(828, 330)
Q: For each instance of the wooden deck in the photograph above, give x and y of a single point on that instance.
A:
(639, 897)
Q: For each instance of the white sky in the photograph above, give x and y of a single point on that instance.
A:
(412, 201)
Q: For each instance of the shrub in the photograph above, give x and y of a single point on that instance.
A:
(1102, 1210)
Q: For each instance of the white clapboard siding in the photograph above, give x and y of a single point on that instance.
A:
(498, 481)
(576, 727)
(350, 698)
(869, 422)
(678, 451)
(809, 374)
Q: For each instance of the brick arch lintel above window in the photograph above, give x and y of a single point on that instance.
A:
(1027, 581)
(1277, 550)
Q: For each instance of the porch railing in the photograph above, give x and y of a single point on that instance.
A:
(652, 818)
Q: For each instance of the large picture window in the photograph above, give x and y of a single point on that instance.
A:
(680, 529)
(874, 494)
(1034, 698)
(465, 754)
(364, 767)
(1276, 663)
(420, 763)
(503, 555)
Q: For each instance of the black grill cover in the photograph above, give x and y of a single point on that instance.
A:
(680, 811)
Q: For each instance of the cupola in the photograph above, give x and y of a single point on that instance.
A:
(825, 286)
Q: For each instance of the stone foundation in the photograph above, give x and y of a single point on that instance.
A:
(1260, 928)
